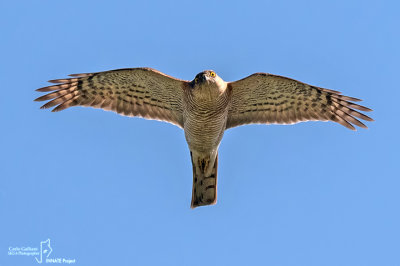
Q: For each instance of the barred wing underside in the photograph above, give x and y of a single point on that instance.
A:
(142, 92)
(266, 99)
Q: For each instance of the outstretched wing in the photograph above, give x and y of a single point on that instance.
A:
(142, 92)
(263, 98)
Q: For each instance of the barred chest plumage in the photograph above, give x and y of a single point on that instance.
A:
(205, 116)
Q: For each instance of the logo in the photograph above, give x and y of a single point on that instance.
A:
(41, 253)
(45, 249)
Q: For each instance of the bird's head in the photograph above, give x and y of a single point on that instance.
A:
(208, 84)
(206, 77)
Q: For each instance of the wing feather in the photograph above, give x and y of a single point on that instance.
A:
(142, 92)
(266, 99)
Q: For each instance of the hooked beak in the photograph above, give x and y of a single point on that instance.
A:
(202, 78)
(205, 78)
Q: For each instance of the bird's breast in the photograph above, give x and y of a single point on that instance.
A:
(205, 122)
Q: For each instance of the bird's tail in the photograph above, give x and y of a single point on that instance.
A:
(204, 180)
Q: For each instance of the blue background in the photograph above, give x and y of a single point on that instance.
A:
(113, 190)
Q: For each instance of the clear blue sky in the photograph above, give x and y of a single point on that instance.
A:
(113, 190)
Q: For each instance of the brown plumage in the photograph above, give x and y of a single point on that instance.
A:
(142, 92)
(266, 99)
(204, 108)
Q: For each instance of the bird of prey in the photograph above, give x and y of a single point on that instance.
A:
(204, 108)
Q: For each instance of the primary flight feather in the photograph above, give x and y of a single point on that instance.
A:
(204, 107)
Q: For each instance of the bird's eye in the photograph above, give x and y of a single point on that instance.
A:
(212, 74)
(196, 80)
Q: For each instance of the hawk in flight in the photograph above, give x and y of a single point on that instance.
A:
(204, 108)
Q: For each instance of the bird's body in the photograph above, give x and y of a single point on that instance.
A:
(205, 116)
(204, 107)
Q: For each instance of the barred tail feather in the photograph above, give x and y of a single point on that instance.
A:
(204, 181)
